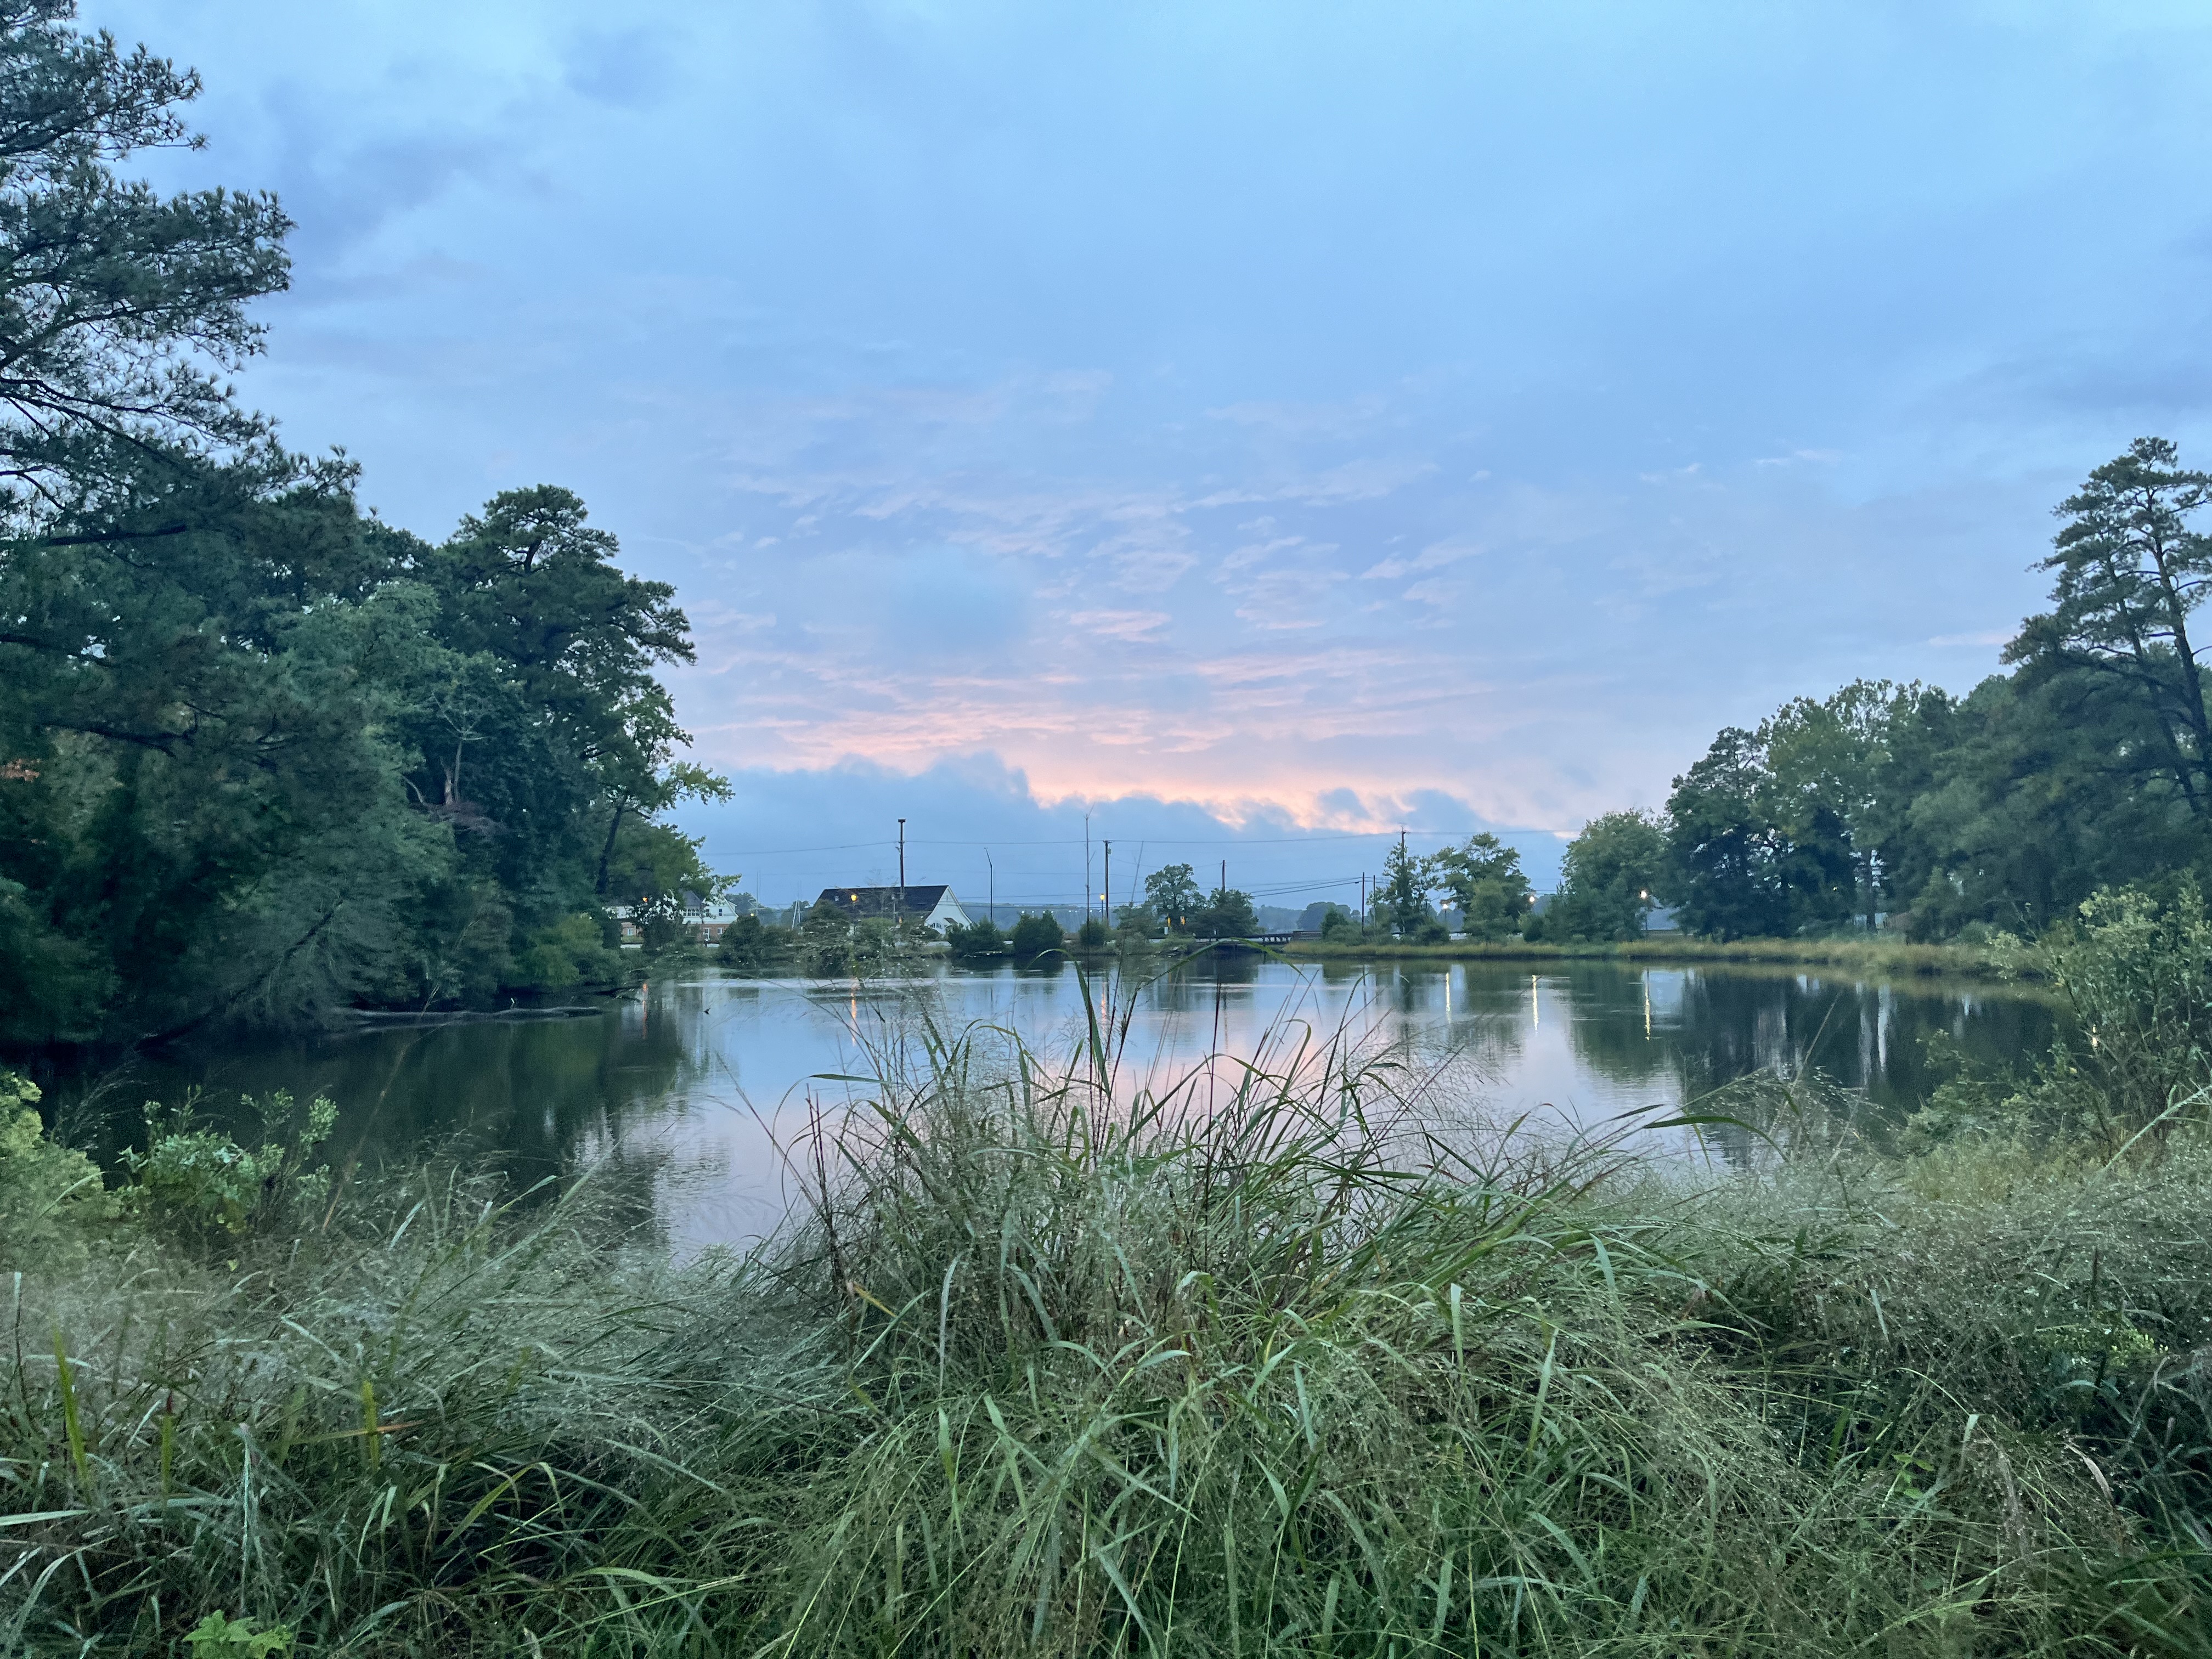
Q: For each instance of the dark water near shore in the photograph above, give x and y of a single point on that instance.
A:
(682, 1094)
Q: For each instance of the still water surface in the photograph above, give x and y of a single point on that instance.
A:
(685, 1092)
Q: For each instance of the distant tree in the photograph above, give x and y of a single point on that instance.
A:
(1339, 924)
(751, 946)
(1725, 848)
(1227, 912)
(1610, 878)
(1402, 895)
(1315, 916)
(1093, 935)
(976, 940)
(1485, 883)
(2130, 570)
(1035, 936)
(1172, 895)
(1752, 858)
(1137, 921)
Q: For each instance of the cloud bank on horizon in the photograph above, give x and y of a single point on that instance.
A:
(1269, 421)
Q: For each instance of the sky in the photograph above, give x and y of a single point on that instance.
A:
(1258, 429)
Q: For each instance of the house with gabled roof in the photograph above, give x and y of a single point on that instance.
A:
(931, 906)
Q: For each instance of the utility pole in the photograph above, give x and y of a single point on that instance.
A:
(1107, 895)
(1224, 878)
(1086, 866)
(994, 870)
(898, 905)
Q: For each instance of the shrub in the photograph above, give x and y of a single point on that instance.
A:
(1035, 936)
(202, 1183)
(572, 951)
(976, 940)
(751, 946)
(52, 1197)
(1093, 935)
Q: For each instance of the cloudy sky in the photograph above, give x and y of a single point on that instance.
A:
(1260, 426)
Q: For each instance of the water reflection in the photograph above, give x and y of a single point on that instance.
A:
(680, 1096)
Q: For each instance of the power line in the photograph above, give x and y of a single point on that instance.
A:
(1076, 841)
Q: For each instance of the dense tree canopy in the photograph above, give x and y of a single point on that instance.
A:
(1608, 879)
(260, 754)
(2084, 766)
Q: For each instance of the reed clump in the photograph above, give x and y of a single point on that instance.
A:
(1043, 1367)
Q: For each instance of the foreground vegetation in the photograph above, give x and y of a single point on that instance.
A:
(1317, 1367)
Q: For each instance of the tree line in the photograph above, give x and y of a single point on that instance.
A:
(262, 753)
(2086, 764)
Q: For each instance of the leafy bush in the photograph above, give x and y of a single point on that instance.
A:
(976, 940)
(2134, 969)
(50, 1195)
(201, 1182)
(749, 946)
(1035, 936)
(572, 951)
(1093, 935)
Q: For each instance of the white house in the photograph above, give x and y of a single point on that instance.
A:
(933, 906)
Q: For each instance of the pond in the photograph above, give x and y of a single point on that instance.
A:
(683, 1092)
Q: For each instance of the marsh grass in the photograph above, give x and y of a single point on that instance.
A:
(1044, 1367)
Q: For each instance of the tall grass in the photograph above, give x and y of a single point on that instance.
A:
(1038, 1370)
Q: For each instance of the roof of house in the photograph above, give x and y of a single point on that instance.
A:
(886, 902)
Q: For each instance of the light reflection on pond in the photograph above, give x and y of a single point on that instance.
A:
(679, 1095)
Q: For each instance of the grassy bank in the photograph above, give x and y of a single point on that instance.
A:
(1031, 1375)
(1873, 958)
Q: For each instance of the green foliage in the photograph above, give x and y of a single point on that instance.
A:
(1226, 914)
(1613, 871)
(1486, 886)
(118, 307)
(1093, 935)
(261, 755)
(219, 1637)
(2129, 568)
(1171, 893)
(750, 946)
(1339, 924)
(2134, 969)
(569, 952)
(977, 941)
(52, 1197)
(2089, 766)
(1402, 897)
(1034, 936)
(200, 1182)
(1278, 1382)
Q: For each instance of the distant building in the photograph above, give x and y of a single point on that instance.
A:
(932, 907)
(709, 916)
(1662, 918)
(705, 918)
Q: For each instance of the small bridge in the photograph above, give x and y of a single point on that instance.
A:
(1261, 941)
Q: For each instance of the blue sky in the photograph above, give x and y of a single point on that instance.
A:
(1253, 425)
